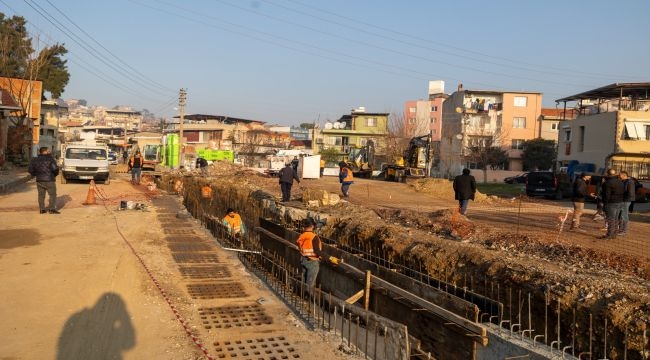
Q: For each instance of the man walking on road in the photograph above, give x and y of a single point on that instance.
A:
(464, 190)
(580, 193)
(135, 165)
(287, 175)
(45, 169)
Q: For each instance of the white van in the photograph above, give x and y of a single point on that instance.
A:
(86, 160)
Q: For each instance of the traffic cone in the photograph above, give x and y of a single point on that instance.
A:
(90, 198)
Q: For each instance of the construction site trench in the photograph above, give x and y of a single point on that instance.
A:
(438, 285)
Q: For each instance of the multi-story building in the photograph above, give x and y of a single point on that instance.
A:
(23, 131)
(612, 129)
(548, 125)
(52, 115)
(479, 118)
(127, 119)
(354, 131)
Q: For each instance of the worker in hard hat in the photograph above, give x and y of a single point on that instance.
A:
(345, 178)
(311, 250)
(234, 225)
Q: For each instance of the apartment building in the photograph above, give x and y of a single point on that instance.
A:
(354, 131)
(612, 129)
(486, 118)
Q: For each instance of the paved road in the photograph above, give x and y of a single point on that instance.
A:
(80, 285)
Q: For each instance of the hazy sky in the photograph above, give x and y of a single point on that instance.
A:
(292, 61)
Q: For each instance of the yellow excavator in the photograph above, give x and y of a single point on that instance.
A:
(414, 163)
(361, 159)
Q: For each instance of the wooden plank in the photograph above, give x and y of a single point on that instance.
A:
(354, 298)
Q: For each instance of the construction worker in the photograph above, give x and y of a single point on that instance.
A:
(135, 166)
(311, 250)
(232, 222)
(286, 177)
(202, 164)
(345, 178)
(322, 166)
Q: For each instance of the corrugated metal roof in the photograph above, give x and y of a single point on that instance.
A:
(613, 91)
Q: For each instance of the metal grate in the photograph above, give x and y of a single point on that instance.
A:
(175, 224)
(216, 290)
(183, 247)
(178, 231)
(205, 271)
(226, 317)
(256, 349)
(185, 238)
(195, 258)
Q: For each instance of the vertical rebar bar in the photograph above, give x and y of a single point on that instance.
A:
(558, 322)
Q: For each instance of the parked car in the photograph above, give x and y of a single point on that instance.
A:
(518, 179)
(548, 184)
(112, 157)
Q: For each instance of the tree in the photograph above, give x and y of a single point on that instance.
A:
(539, 154)
(484, 149)
(18, 59)
(330, 155)
(307, 126)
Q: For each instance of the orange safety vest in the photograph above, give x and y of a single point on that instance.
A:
(233, 223)
(348, 176)
(306, 244)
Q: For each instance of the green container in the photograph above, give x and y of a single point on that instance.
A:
(217, 155)
(172, 151)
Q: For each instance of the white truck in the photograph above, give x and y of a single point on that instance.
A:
(84, 160)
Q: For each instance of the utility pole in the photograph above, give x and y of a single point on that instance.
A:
(181, 146)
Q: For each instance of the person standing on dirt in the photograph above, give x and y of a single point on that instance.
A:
(125, 156)
(135, 165)
(311, 250)
(629, 192)
(345, 178)
(202, 164)
(322, 166)
(464, 190)
(613, 191)
(45, 169)
(580, 193)
(287, 175)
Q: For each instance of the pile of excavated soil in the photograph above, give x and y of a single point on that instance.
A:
(444, 243)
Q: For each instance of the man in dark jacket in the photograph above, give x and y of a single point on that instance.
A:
(629, 195)
(45, 169)
(613, 191)
(464, 190)
(287, 175)
(580, 194)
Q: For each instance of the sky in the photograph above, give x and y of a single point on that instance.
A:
(288, 62)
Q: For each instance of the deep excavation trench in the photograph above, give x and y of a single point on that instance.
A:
(529, 298)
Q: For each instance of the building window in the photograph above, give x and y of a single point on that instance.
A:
(554, 126)
(647, 132)
(520, 101)
(567, 135)
(432, 120)
(371, 122)
(519, 123)
(412, 109)
(518, 144)
(411, 121)
(335, 140)
(581, 139)
(434, 108)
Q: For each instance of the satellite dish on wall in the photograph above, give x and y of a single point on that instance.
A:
(459, 136)
(337, 125)
(328, 125)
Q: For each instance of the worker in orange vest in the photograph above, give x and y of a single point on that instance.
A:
(311, 250)
(233, 224)
(345, 178)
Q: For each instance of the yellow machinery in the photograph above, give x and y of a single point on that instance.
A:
(413, 164)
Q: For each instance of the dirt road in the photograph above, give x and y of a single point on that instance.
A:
(98, 283)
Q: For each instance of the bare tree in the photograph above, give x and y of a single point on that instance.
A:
(485, 148)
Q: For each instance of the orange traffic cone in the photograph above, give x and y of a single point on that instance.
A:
(90, 198)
